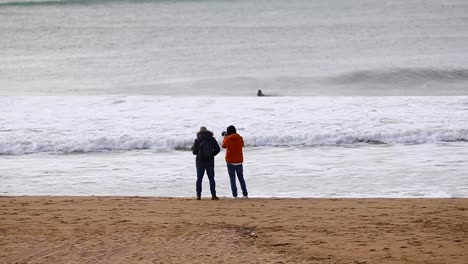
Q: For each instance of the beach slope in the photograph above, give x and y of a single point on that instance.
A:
(182, 230)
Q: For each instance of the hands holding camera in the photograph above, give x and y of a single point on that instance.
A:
(229, 131)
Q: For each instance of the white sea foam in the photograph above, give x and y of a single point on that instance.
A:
(421, 171)
(101, 124)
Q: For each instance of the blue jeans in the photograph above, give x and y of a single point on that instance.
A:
(211, 174)
(239, 170)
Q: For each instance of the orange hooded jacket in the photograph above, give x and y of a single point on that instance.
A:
(233, 145)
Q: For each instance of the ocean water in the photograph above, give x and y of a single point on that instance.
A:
(364, 98)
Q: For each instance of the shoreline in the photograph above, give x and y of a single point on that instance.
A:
(142, 229)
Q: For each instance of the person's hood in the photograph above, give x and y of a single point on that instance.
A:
(234, 137)
(202, 135)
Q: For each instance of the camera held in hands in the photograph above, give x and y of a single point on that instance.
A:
(223, 133)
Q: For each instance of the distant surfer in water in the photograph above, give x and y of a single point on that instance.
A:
(259, 93)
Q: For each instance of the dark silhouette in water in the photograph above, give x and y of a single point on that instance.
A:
(259, 93)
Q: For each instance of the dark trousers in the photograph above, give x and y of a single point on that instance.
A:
(201, 168)
(239, 170)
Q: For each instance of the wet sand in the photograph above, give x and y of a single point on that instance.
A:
(177, 230)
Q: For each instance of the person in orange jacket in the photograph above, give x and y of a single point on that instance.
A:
(233, 143)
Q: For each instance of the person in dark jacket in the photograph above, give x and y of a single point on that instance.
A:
(205, 162)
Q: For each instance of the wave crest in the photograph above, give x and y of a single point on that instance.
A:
(341, 138)
(98, 144)
(68, 2)
(403, 75)
(129, 143)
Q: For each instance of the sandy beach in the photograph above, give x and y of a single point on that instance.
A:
(183, 230)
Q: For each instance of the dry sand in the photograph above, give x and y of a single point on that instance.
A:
(167, 230)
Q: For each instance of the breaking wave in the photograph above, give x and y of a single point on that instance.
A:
(70, 2)
(403, 75)
(45, 3)
(128, 143)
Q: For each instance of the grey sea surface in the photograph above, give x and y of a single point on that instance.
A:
(297, 47)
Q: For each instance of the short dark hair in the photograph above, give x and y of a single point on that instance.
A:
(231, 130)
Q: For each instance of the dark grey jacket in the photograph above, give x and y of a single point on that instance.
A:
(201, 136)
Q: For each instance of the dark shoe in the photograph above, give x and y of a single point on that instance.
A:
(198, 198)
(214, 198)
